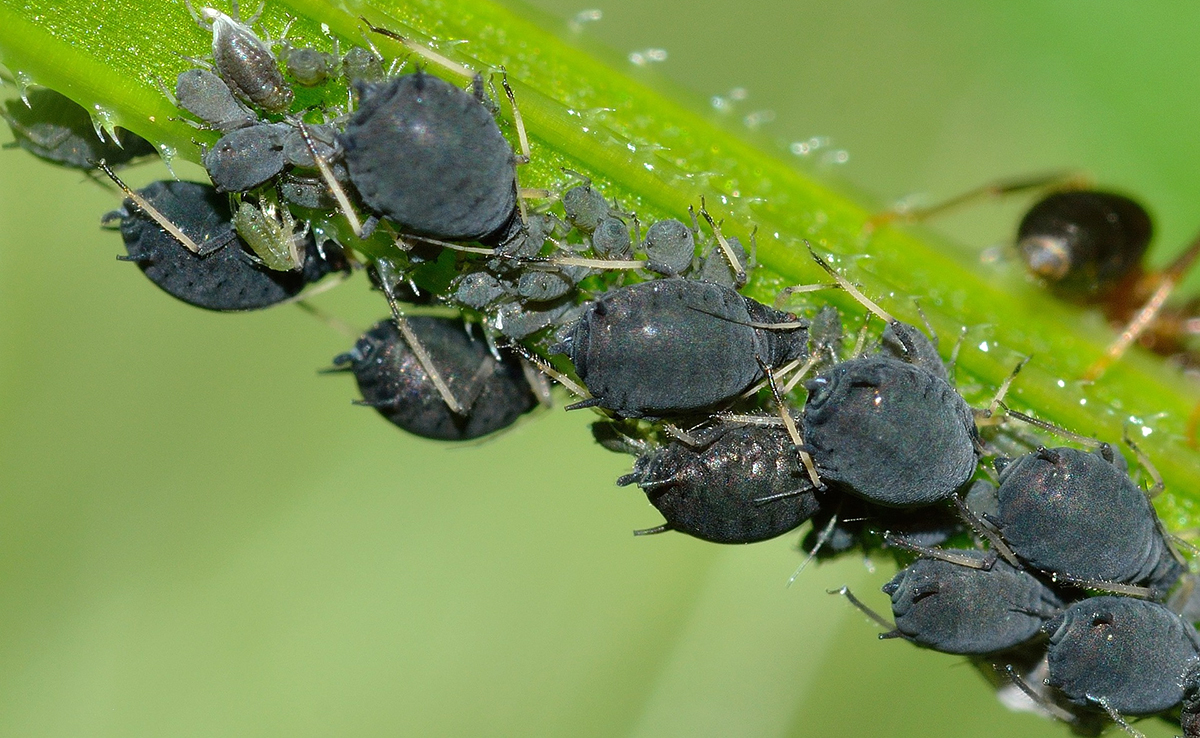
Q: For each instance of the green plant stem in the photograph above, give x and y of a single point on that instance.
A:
(658, 158)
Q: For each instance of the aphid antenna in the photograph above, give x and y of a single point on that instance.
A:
(1119, 588)
(790, 325)
(822, 539)
(1057, 430)
(997, 542)
(1144, 317)
(331, 182)
(845, 284)
(883, 622)
(936, 553)
(580, 261)
(333, 322)
(790, 424)
(782, 298)
(999, 188)
(1038, 699)
(423, 51)
(1157, 484)
(386, 275)
(735, 264)
(544, 366)
(400, 239)
(1002, 390)
(153, 212)
(1115, 716)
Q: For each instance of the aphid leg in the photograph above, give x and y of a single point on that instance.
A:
(331, 182)
(518, 121)
(1038, 699)
(860, 343)
(1157, 483)
(803, 372)
(973, 521)
(544, 366)
(1116, 717)
(386, 280)
(846, 285)
(653, 531)
(200, 21)
(822, 539)
(1129, 590)
(1002, 390)
(881, 620)
(952, 364)
(739, 272)
(790, 424)
(579, 261)
(1052, 428)
(1000, 188)
(539, 383)
(400, 243)
(939, 554)
(933, 336)
(257, 13)
(1170, 278)
(422, 51)
(153, 212)
(679, 434)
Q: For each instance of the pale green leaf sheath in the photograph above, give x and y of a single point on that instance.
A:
(658, 159)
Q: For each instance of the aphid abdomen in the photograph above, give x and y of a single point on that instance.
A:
(1132, 653)
(890, 432)
(247, 65)
(431, 157)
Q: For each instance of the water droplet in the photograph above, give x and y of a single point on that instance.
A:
(1061, 384)
(984, 347)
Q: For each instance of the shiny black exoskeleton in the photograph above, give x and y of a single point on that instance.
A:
(393, 381)
(224, 276)
(676, 346)
(1078, 514)
(742, 484)
(430, 157)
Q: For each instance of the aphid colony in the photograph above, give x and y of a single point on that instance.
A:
(687, 374)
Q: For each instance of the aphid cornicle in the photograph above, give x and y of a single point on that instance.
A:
(431, 157)
(1121, 654)
(392, 380)
(742, 484)
(676, 346)
(1078, 514)
(244, 61)
(55, 128)
(223, 276)
(953, 608)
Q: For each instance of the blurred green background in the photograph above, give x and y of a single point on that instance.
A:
(200, 536)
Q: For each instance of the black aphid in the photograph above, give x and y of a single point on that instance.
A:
(1120, 654)
(58, 130)
(223, 275)
(1077, 514)
(954, 608)
(247, 157)
(244, 61)
(672, 346)
(431, 157)
(890, 428)
(308, 66)
(392, 380)
(741, 484)
(584, 207)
